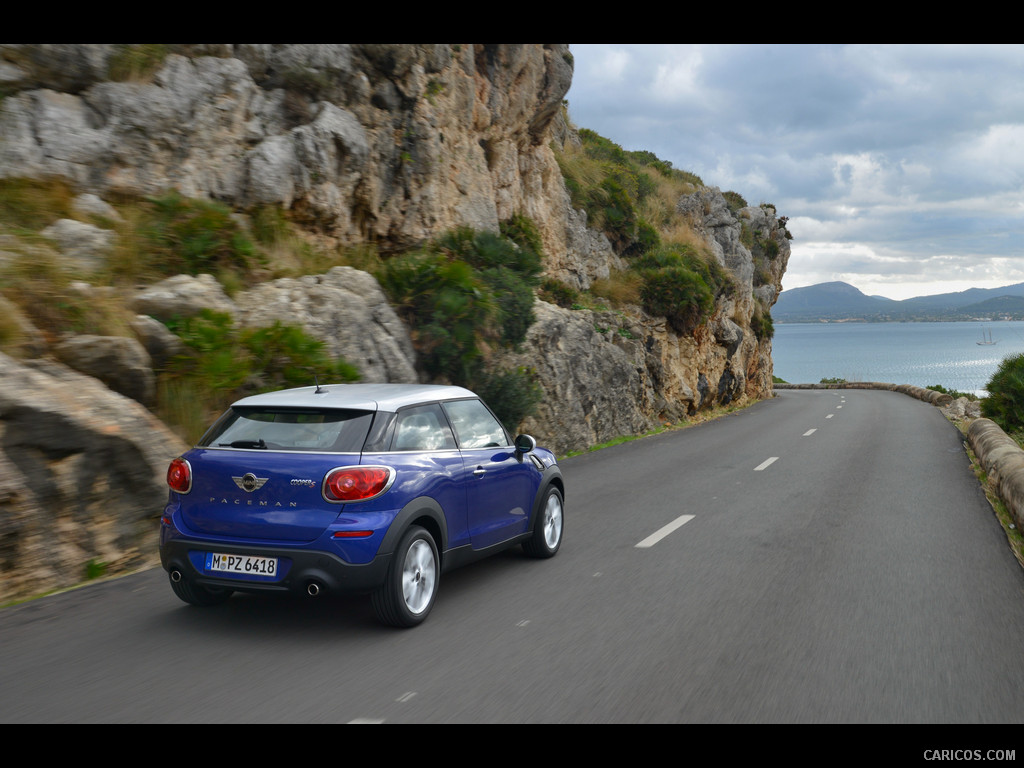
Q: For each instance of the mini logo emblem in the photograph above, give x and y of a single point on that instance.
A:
(249, 482)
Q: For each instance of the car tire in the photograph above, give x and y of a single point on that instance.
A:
(411, 583)
(547, 528)
(194, 594)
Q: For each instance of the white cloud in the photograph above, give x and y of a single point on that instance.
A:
(997, 155)
(676, 78)
(611, 65)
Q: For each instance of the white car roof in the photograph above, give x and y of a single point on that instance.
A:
(362, 397)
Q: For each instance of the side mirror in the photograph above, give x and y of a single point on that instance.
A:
(524, 444)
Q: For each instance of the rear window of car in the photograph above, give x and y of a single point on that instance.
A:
(290, 429)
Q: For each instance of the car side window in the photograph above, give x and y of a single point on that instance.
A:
(422, 428)
(475, 426)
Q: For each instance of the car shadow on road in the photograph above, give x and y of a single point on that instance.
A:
(335, 616)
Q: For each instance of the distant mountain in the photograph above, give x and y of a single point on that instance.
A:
(828, 301)
(842, 301)
(963, 298)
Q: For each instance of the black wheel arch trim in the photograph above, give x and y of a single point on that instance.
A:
(550, 476)
(417, 509)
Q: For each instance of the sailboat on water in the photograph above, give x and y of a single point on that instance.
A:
(986, 339)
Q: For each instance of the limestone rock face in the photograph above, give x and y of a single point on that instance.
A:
(594, 369)
(609, 374)
(366, 142)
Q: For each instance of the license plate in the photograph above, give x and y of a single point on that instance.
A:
(257, 566)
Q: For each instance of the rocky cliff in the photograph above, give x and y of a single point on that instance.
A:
(355, 145)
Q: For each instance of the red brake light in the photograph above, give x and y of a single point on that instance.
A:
(357, 483)
(179, 476)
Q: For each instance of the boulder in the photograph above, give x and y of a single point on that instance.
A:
(82, 477)
(120, 362)
(182, 296)
(346, 310)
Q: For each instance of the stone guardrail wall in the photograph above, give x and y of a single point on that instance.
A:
(928, 395)
(1003, 461)
(1000, 456)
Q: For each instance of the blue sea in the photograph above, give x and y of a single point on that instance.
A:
(923, 354)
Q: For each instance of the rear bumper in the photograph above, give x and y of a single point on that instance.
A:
(297, 569)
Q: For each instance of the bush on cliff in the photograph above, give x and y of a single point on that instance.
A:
(1005, 401)
(628, 196)
(761, 324)
(189, 236)
(513, 394)
(465, 291)
(223, 363)
(680, 285)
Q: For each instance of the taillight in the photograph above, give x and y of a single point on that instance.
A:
(357, 483)
(179, 476)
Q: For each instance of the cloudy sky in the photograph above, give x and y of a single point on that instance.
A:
(900, 167)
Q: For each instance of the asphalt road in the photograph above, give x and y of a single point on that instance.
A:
(823, 557)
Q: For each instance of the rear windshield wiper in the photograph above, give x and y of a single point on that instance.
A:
(245, 444)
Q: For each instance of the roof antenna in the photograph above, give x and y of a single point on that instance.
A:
(317, 391)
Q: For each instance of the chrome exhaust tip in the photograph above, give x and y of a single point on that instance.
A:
(313, 589)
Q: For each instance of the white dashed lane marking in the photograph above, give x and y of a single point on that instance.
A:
(664, 531)
(766, 464)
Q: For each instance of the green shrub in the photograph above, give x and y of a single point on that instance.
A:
(137, 61)
(647, 159)
(95, 569)
(600, 148)
(522, 231)
(557, 292)
(955, 394)
(486, 249)
(223, 363)
(761, 324)
(513, 394)
(195, 236)
(464, 288)
(270, 225)
(282, 356)
(735, 201)
(445, 302)
(1005, 401)
(746, 235)
(514, 298)
(646, 239)
(621, 191)
(680, 285)
(669, 255)
(679, 294)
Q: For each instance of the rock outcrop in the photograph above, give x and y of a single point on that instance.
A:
(382, 143)
(82, 477)
(608, 374)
